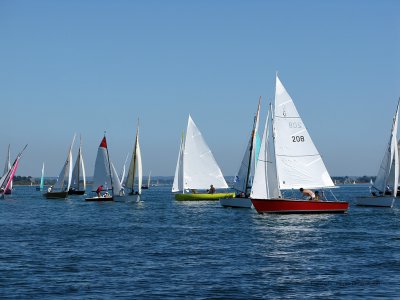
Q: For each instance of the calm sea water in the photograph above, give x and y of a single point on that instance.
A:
(161, 248)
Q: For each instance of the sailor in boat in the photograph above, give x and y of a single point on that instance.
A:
(317, 198)
(50, 188)
(106, 195)
(98, 191)
(388, 191)
(307, 194)
(211, 190)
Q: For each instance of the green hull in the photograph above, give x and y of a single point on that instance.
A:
(203, 197)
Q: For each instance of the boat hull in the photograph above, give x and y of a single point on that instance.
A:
(56, 195)
(375, 201)
(100, 199)
(71, 192)
(236, 202)
(289, 206)
(203, 197)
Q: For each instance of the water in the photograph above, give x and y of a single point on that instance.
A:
(163, 249)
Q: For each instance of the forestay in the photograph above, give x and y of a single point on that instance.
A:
(299, 163)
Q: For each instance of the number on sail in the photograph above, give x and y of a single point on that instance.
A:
(297, 139)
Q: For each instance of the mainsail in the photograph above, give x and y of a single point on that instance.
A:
(266, 183)
(299, 163)
(6, 179)
(200, 169)
(64, 178)
(78, 181)
(242, 181)
(136, 164)
(102, 174)
(390, 160)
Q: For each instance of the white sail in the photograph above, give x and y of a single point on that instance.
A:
(64, 179)
(390, 160)
(102, 174)
(178, 178)
(200, 169)
(242, 181)
(266, 183)
(139, 164)
(78, 181)
(136, 163)
(299, 163)
(117, 185)
(122, 178)
(7, 165)
(148, 180)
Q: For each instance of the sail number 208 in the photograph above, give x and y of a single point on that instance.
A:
(297, 138)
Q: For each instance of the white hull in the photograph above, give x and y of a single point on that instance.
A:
(376, 201)
(236, 202)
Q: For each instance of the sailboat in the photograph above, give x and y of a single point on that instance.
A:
(298, 165)
(102, 177)
(146, 187)
(6, 179)
(388, 174)
(61, 187)
(41, 186)
(7, 168)
(197, 169)
(242, 181)
(78, 182)
(135, 165)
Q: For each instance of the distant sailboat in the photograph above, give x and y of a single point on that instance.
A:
(388, 173)
(146, 187)
(197, 169)
(242, 183)
(41, 186)
(102, 178)
(6, 179)
(297, 161)
(61, 187)
(135, 165)
(7, 168)
(78, 182)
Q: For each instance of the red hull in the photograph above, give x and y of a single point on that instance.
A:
(298, 206)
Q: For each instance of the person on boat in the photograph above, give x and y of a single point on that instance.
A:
(316, 196)
(211, 190)
(388, 191)
(106, 195)
(50, 188)
(307, 194)
(98, 190)
(193, 191)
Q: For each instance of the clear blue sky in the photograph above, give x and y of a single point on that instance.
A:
(87, 66)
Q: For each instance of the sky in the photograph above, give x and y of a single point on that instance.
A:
(86, 67)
